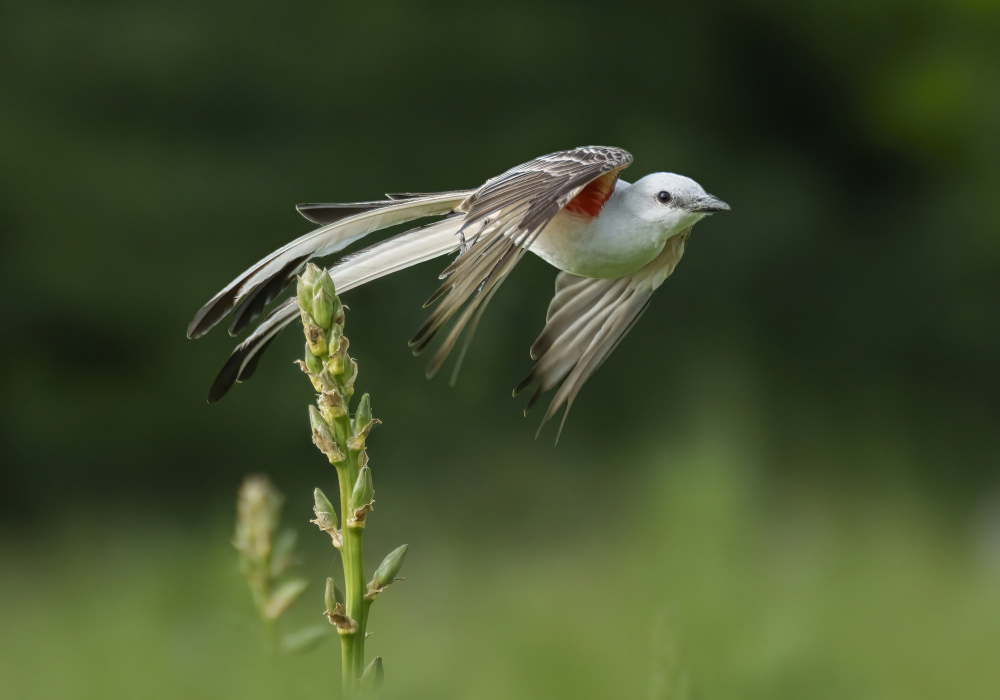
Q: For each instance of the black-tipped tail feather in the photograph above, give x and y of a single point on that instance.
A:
(252, 290)
(388, 256)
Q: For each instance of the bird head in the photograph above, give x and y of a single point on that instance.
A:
(670, 201)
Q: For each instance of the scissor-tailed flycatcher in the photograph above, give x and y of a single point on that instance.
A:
(614, 243)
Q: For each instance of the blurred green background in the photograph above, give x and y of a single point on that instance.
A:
(784, 483)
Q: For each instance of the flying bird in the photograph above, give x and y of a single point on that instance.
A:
(612, 242)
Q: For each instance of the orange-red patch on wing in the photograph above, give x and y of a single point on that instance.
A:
(588, 203)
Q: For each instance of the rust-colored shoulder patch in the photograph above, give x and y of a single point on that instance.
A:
(592, 198)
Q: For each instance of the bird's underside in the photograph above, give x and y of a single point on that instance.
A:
(490, 228)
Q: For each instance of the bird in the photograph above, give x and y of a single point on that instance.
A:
(612, 242)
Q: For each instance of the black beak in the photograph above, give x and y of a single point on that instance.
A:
(708, 204)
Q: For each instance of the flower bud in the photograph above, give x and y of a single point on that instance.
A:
(389, 568)
(335, 365)
(349, 381)
(325, 282)
(316, 419)
(315, 339)
(304, 293)
(323, 437)
(327, 308)
(364, 490)
(373, 675)
(311, 274)
(334, 336)
(356, 443)
(332, 595)
(326, 517)
(313, 364)
(322, 307)
(363, 415)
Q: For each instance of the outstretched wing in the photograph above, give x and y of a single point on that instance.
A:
(586, 320)
(502, 219)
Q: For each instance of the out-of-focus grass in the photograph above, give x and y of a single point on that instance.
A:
(702, 586)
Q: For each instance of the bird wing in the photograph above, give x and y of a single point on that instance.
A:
(502, 219)
(586, 320)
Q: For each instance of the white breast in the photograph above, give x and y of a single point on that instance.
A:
(612, 245)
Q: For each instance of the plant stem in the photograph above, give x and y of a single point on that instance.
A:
(352, 558)
(332, 373)
(347, 640)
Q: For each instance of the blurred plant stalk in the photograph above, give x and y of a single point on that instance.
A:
(342, 439)
(265, 557)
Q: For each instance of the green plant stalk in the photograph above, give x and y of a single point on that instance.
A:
(332, 373)
(352, 559)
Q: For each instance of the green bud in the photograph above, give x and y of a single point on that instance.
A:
(334, 336)
(332, 595)
(335, 365)
(303, 293)
(389, 568)
(373, 675)
(323, 306)
(311, 274)
(315, 339)
(357, 442)
(323, 437)
(316, 418)
(364, 490)
(313, 364)
(363, 416)
(305, 288)
(326, 517)
(325, 282)
(349, 382)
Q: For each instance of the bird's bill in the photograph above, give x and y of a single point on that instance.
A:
(708, 204)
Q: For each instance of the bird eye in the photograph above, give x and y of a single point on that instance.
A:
(663, 196)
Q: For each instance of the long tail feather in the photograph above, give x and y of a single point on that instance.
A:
(261, 282)
(384, 258)
(331, 213)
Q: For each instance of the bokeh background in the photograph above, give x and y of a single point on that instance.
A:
(784, 483)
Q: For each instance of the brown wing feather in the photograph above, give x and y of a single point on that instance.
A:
(503, 218)
(586, 320)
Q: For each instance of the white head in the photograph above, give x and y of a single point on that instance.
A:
(670, 201)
